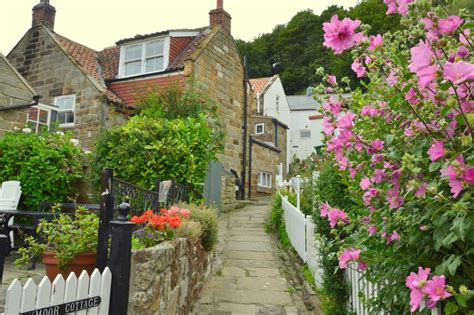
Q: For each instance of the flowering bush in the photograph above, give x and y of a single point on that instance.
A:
(404, 147)
(157, 227)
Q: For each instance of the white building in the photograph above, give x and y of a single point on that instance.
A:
(306, 126)
(272, 102)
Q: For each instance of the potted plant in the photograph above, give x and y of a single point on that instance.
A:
(67, 243)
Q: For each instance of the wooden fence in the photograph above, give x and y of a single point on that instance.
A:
(72, 295)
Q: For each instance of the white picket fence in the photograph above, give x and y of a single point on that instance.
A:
(31, 297)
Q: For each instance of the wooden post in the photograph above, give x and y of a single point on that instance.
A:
(4, 247)
(120, 260)
(106, 215)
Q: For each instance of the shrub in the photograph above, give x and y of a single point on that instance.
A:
(147, 149)
(207, 218)
(48, 165)
(276, 222)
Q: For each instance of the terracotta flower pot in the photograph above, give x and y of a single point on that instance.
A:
(86, 261)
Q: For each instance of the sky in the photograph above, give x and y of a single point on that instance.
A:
(100, 23)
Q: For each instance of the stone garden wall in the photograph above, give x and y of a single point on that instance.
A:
(167, 278)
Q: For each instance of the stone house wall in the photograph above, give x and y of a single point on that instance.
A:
(50, 72)
(263, 160)
(167, 278)
(216, 68)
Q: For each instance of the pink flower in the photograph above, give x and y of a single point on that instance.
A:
(332, 80)
(458, 72)
(421, 191)
(375, 41)
(463, 36)
(402, 6)
(391, 6)
(336, 215)
(411, 98)
(369, 195)
(450, 24)
(462, 52)
(436, 150)
(362, 265)
(358, 68)
(372, 230)
(436, 289)
(377, 144)
(352, 172)
(468, 175)
(401, 9)
(339, 35)
(346, 121)
(392, 79)
(422, 64)
(324, 209)
(393, 237)
(348, 255)
(395, 201)
(369, 110)
(365, 183)
(328, 127)
(185, 212)
(415, 282)
(333, 107)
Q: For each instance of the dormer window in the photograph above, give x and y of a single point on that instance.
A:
(144, 57)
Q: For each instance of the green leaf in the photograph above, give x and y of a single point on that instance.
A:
(453, 266)
(434, 167)
(451, 308)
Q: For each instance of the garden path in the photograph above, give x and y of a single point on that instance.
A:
(251, 278)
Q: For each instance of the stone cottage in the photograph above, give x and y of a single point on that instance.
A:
(93, 90)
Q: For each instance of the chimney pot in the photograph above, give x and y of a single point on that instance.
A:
(220, 4)
(220, 17)
(44, 14)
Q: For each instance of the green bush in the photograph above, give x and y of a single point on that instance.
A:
(147, 149)
(207, 217)
(48, 165)
(276, 222)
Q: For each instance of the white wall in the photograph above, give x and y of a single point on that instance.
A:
(302, 148)
(283, 114)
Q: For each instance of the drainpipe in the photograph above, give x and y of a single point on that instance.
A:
(245, 127)
(250, 165)
(36, 99)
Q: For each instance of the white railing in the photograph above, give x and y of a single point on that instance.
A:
(295, 224)
(90, 291)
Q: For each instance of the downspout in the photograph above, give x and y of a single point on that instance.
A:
(250, 165)
(245, 127)
(36, 99)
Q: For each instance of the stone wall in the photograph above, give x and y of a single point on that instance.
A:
(50, 72)
(263, 160)
(216, 67)
(167, 278)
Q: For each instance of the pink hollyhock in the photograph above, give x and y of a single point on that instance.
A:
(393, 237)
(403, 6)
(336, 215)
(324, 209)
(422, 63)
(339, 35)
(375, 41)
(411, 98)
(450, 24)
(361, 265)
(332, 80)
(415, 282)
(395, 201)
(333, 107)
(392, 79)
(436, 289)
(369, 195)
(359, 37)
(421, 191)
(372, 230)
(352, 172)
(436, 150)
(468, 175)
(378, 177)
(328, 127)
(391, 6)
(348, 255)
(409, 132)
(377, 144)
(369, 110)
(365, 183)
(463, 36)
(358, 68)
(462, 52)
(345, 122)
(458, 72)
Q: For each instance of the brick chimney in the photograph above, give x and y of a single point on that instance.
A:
(44, 14)
(219, 16)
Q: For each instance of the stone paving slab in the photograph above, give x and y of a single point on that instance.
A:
(250, 281)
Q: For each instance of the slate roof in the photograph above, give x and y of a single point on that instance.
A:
(102, 66)
(302, 102)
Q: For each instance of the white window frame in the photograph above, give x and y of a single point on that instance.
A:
(56, 99)
(305, 130)
(265, 180)
(263, 129)
(41, 107)
(166, 56)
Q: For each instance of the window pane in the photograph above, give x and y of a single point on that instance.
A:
(305, 133)
(133, 53)
(33, 115)
(43, 117)
(154, 64)
(65, 103)
(62, 117)
(70, 117)
(154, 49)
(132, 68)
